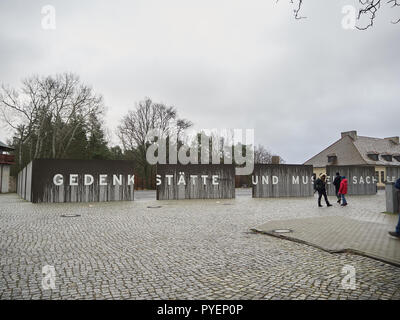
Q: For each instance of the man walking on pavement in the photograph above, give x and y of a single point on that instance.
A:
(336, 183)
(320, 186)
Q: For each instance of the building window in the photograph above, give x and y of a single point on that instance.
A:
(387, 157)
(397, 158)
(332, 159)
(377, 176)
(373, 156)
(382, 176)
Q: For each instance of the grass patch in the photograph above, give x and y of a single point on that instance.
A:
(390, 213)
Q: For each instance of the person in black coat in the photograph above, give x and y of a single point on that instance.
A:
(320, 186)
(336, 183)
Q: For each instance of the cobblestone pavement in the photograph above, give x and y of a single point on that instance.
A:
(183, 250)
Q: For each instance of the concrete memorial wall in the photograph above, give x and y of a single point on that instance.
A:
(392, 173)
(4, 178)
(282, 180)
(24, 182)
(361, 179)
(54, 180)
(392, 198)
(195, 181)
(392, 194)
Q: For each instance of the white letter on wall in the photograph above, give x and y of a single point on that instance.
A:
(73, 179)
(88, 179)
(58, 179)
(103, 179)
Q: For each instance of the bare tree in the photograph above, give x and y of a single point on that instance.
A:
(73, 106)
(147, 116)
(48, 111)
(263, 156)
(182, 125)
(18, 115)
(137, 124)
(368, 9)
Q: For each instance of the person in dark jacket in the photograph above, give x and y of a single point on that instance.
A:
(343, 190)
(396, 233)
(336, 183)
(320, 186)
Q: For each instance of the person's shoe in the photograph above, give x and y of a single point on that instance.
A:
(329, 205)
(319, 206)
(338, 201)
(344, 204)
(394, 234)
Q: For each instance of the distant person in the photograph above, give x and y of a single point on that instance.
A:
(336, 183)
(320, 186)
(396, 233)
(343, 190)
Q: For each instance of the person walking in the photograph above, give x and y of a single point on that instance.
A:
(343, 190)
(396, 233)
(336, 183)
(320, 186)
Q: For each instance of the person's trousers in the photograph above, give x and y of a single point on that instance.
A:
(343, 199)
(337, 194)
(320, 194)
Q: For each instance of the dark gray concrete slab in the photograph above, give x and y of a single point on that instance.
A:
(341, 234)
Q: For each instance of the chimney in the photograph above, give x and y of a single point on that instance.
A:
(275, 160)
(351, 134)
(395, 140)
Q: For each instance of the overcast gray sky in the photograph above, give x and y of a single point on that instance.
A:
(222, 63)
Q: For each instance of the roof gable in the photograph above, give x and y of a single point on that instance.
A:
(344, 149)
(5, 147)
